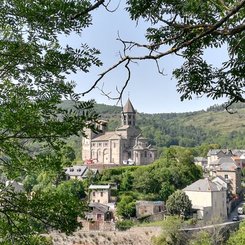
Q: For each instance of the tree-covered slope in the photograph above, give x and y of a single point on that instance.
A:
(214, 125)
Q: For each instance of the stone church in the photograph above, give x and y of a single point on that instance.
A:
(125, 145)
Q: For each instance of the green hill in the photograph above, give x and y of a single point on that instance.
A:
(212, 126)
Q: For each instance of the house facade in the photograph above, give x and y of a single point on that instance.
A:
(100, 194)
(125, 145)
(146, 208)
(208, 199)
(228, 169)
(99, 212)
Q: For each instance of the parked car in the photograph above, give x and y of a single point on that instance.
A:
(235, 218)
(240, 210)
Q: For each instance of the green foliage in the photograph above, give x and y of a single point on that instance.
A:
(201, 238)
(238, 237)
(124, 225)
(171, 234)
(126, 207)
(178, 204)
(191, 129)
(34, 127)
(190, 28)
(157, 181)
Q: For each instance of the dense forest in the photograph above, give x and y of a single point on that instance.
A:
(215, 125)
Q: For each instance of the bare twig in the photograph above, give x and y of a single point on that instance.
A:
(204, 30)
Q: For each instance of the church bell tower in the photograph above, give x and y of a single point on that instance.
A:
(128, 115)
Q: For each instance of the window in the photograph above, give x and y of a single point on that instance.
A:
(105, 144)
(129, 116)
(226, 176)
(99, 200)
(93, 193)
(93, 144)
(99, 144)
(101, 194)
(145, 153)
(129, 122)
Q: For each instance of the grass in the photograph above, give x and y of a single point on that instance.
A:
(150, 224)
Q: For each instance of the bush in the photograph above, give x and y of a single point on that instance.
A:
(124, 225)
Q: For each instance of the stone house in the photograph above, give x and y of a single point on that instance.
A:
(100, 194)
(146, 208)
(124, 145)
(208, 200)
(99, 212)
(214, 155)
(228, 169)
(237, 155)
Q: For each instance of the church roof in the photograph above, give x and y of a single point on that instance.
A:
(107, 136)
(128, 107)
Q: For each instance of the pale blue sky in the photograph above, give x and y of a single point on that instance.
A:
(149, 91)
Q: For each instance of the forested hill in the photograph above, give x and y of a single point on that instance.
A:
(214, 125)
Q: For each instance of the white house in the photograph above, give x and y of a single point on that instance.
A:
(208, 199)
(79, 172)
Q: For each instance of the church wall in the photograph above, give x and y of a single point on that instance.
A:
(115, 151)
(116, 147)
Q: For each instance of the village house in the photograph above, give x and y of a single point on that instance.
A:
(228, 169)
(214, 155)
(81, 172)
(201, 161)
(147, 208)
(100, 194)
(125, 145)
(99, 212)
(208, 200)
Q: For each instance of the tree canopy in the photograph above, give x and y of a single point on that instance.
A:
(34, 79)
(178, 204)
(188, 29)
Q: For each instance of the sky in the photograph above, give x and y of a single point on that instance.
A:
(149, 91)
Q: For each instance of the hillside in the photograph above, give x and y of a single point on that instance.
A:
(215, 125)
(212, 126)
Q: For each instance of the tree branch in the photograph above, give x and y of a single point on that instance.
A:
(86, 11)
(154, 55)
